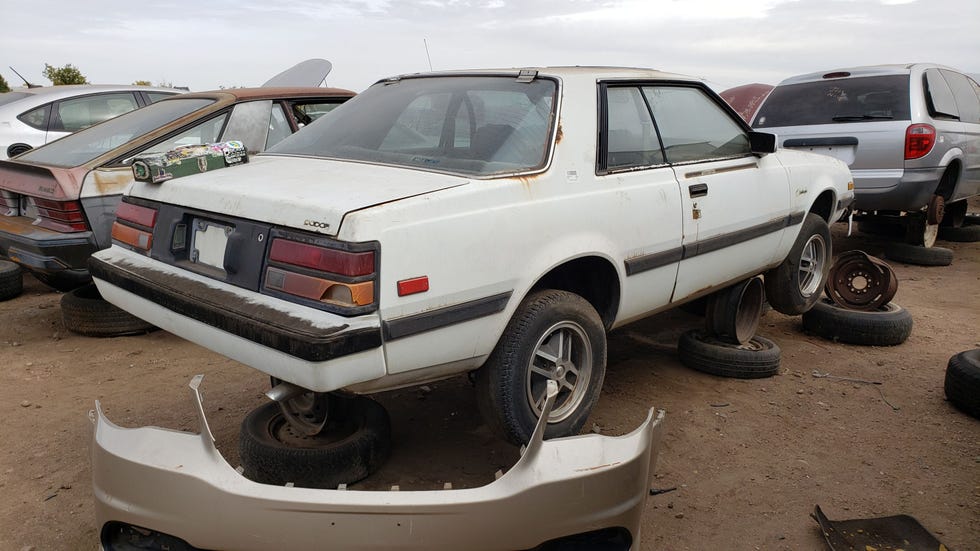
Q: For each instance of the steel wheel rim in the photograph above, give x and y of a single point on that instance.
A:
(563, 354)
(306, 413)
(812, 261)
(929, 235)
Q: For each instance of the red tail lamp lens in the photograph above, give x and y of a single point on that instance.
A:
(60, 216)
(321, 258)
(919, 139)
(143, 216)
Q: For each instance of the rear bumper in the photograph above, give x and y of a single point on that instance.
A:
(902, 190)
(42, 250)
(177, 484)
(318, 351)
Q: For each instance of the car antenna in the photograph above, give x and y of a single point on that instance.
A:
(426, 44)
(29, 85)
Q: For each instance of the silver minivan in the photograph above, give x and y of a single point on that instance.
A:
(910, 134)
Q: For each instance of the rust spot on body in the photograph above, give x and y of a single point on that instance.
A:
(112, 180)
(559, 135)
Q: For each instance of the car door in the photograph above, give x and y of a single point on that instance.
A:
(734, 204)
(646, 214)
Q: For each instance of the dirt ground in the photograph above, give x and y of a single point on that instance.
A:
(749, 459)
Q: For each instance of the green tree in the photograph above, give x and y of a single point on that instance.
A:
(4, 87)
(69, 74)
(143, 83)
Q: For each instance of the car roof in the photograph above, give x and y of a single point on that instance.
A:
(577, 71)
(49, 93)
(864, 71)
(240, 94)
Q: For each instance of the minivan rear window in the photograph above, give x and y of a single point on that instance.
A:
(859, 99)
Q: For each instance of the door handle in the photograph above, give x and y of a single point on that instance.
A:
(697, 190)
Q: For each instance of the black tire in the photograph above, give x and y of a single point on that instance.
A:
(11, 280)
(918, 255)
(889, 325)
(962, 384)
(756, 359)
(506, 385)
(85, 312)
(355, 444)
(784, 289)
(63, 281)
(954, 214)
(962, 234)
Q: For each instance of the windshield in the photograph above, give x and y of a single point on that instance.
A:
(9, 97)
(85, 145)
(836, 101)
(462, 125)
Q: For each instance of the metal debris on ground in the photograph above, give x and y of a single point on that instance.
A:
(899, 532)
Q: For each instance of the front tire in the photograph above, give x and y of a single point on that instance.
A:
(553, 335)
(794, 286)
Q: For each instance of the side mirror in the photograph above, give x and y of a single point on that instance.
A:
(762, 143)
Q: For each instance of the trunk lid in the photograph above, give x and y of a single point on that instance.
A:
(302, 193)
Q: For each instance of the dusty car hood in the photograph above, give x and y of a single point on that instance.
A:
(303, 193)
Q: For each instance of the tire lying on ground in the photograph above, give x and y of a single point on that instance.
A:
(963, 234)
(11, 280)
(962, 383)
(889, 325)
(355, 443)
(755, 359)
(85, 312)
(920, 256)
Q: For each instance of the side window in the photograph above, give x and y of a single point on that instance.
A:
(278, 126)
(202, 133)
(250, 123)
(157, 96)
(938, 96)
(75, 114)
(631, 138)
(36, 118)
(967, 103)
(306, 113)
(693, 127)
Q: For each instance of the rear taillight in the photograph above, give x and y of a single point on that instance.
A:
(134, 225)
(60, 216)
(329, 276)
(919, 139)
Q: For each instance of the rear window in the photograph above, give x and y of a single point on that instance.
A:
(81, 147)
(470, 125)
(862, 99)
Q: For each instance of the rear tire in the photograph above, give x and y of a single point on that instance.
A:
(355, 445)
(11, 280)
(553, 335)
(962, 234)
(889, 325)
(85, 312)
(794, 286)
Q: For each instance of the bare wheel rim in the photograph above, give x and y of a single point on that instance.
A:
(305, 413)
(929, 235)
(563, 354)
(812, 261)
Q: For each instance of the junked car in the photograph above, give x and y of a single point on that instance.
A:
(494, 221)
(910, 134)
(31, 117)
(58, 202)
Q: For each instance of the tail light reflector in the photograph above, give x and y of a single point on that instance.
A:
(60, 216)
(351, 264)
(919, 139)
(319, 289)
(134, 225)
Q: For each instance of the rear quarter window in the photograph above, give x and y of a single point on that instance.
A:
(860, 99)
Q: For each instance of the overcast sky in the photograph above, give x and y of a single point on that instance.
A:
(205, 45)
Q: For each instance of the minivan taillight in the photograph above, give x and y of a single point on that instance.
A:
(919, 139)
(134, 225)
(335, 279)
(60, 216)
